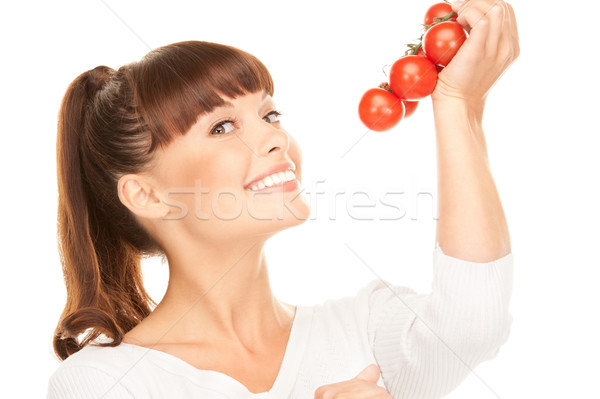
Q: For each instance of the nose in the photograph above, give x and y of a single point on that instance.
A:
(272, 139)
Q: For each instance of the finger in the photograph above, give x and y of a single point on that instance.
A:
(472, 17)
(513, 28)
(490, 13)
(321, 391)
(505, 42)
(458, 7)
(356, 387)
(370, 374)
(507, 46)
(470, 8)
(495, 17)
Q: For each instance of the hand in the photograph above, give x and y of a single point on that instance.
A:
(363, 386)
(492, 45)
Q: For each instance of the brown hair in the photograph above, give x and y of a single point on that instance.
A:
(109, 124)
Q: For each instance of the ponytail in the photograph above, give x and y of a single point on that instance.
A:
(101, 268)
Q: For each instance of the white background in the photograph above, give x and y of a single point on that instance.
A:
(541, 124)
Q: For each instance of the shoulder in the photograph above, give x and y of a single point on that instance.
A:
(106, 358)
(94, 370)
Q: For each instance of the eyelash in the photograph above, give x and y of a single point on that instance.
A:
(276, 113)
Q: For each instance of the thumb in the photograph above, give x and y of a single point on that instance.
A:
(456, 5)
(370, 373)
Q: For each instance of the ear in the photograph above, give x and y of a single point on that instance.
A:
(137, 194)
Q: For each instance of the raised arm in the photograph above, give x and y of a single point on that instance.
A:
(471, 224)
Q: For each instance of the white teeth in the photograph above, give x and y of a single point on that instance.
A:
(268, 181)
(274, 179)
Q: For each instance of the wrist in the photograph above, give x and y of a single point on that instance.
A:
(457, 118)
(474, 101)
(471, 109)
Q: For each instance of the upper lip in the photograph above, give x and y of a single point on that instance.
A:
(274, 169)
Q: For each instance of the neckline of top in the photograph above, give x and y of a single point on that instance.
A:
(283, 382)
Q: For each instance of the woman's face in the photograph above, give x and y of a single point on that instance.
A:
(204, 175)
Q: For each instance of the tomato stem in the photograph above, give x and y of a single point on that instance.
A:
(413, 48)
(385, 86)
(439, 20)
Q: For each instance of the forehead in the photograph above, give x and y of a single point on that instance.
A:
(229, 102)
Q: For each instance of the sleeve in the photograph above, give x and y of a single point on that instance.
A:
(80, 382)
(425, 345)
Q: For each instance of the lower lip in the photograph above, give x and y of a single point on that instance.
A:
(287, 186)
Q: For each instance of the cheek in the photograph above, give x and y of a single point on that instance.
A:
(205, 186)
(221, 182)
(182, 169)
(210, 167)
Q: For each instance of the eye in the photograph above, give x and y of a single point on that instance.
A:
(222, 127)
(272, 117)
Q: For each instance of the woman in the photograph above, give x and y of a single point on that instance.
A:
(182, 154)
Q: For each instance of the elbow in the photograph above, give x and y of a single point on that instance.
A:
(479, 341)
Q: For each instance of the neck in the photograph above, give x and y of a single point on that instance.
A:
(220, 293)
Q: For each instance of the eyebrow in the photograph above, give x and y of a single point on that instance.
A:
(227, 104)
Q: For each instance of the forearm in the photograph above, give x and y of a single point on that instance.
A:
(471, 223)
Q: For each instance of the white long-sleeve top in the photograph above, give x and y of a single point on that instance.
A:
(424, 344)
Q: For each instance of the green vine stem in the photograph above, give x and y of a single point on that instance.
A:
(439, 20)
(413, 48)
(385, 86)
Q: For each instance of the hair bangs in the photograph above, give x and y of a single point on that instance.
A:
(182, 81)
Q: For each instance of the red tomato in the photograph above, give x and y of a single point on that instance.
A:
(438, 10)
(413, 77)
(410, 107)
(441, 42)
(421, 52)
(380, 110)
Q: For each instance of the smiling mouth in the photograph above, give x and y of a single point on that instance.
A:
(275, 179)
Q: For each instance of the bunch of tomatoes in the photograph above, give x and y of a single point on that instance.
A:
(414, 76)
